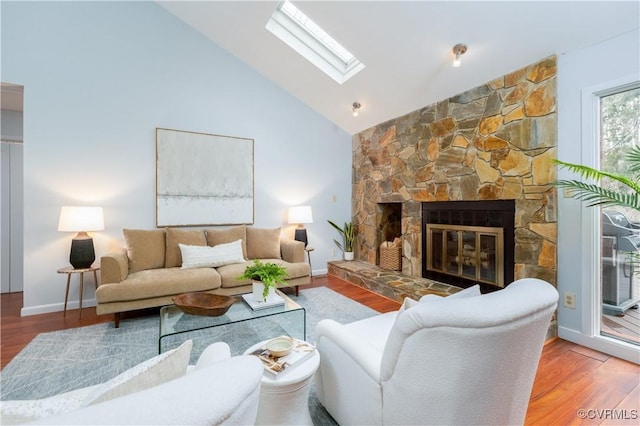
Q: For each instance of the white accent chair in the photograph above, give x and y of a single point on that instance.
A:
(218, 390)
(462, 359)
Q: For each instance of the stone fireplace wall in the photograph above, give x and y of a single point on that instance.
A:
(496, 141)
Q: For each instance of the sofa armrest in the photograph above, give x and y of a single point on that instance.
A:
(114, 267)
(292, 251)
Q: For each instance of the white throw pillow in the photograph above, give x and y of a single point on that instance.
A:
(162, 368)
(467, 292)
(406, 304)
(153, 372)
(462, 294)
(211, 257)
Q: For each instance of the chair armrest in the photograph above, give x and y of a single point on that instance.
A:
(292, 251)
(114, 267)
(362, 353)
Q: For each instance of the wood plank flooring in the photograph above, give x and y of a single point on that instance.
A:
(570, 377)
(625, 327)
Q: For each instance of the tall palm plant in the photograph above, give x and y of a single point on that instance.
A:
(596, 195)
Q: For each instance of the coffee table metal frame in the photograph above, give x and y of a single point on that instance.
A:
(174, 321)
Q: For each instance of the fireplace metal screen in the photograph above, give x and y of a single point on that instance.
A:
(471, 252)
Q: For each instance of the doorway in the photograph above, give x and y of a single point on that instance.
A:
(619, 123)
(11, 188)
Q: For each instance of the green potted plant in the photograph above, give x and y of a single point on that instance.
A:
(348, 234)
(626, 195)
(265, 277)
(597, 195)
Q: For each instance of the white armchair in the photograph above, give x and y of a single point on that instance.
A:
(218, 390)
(463, 359)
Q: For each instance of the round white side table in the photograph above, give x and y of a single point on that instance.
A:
(285, 400)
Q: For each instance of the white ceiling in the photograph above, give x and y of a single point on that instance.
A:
(406, 46)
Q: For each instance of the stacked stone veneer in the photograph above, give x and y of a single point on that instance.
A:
(496, 141)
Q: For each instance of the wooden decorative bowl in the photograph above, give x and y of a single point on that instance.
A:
(205, 304)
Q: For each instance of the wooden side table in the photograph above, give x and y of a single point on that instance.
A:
(309, 250)
(69, 270)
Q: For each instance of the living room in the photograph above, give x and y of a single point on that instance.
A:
(99, 78)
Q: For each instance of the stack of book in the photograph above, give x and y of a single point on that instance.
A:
(277, 366)
(272, 300)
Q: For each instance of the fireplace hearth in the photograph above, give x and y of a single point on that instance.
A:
(469, 242)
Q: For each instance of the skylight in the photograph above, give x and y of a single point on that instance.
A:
(306, 37)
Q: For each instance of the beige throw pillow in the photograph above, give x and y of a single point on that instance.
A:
(152, 372)
(263, 243)
(228, 235)
(145, 248)
(190, 237)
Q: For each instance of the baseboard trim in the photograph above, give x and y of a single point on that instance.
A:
(607, 345)
(55, 307)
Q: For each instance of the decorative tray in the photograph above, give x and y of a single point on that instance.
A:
(205, 304)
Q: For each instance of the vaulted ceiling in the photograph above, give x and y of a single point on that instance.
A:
(406, 46)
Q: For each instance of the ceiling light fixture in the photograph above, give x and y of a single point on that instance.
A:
(356, 107)
(459, 50)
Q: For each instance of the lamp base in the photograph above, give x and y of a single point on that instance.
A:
(301, 235)
(82, 254)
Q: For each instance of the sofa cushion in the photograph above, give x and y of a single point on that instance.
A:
(211, 257)
(228, 235)
(263, 243)
(145, 248)
(192, 237)
(152, 372)
(159, 282)
(229, 273)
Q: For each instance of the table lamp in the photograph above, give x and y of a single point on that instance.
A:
(81, 220)
(300, 215)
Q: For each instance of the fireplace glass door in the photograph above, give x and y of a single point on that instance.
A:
(471, 252)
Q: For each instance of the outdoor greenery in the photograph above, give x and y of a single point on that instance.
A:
(270, 274)
(626, 193)
(348, 234)
(617, 183)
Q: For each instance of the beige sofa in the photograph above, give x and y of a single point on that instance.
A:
(148, 272)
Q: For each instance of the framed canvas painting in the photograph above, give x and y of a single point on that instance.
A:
(203, 179)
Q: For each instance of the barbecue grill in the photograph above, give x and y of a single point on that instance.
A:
(620, 239)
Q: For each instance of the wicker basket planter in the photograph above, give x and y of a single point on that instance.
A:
(391, 258)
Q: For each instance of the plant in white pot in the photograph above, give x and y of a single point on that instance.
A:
(265, 277)
(348, 234)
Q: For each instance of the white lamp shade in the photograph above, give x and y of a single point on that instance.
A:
(300, 214)
(81, 219)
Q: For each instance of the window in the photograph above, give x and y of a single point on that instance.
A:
(307, 38)
(619, 123)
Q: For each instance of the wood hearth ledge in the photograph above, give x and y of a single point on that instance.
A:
(391, 284)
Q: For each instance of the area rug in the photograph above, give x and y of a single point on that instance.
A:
(64, 360)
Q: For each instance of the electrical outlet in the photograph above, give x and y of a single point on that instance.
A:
(334, 199)
(334, 252)
(569, 300)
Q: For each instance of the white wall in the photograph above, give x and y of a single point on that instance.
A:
(99, 77)
(605, 62)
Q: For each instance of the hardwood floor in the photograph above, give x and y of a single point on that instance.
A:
(570, 378)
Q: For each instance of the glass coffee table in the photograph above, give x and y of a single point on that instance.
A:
(174, 321)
